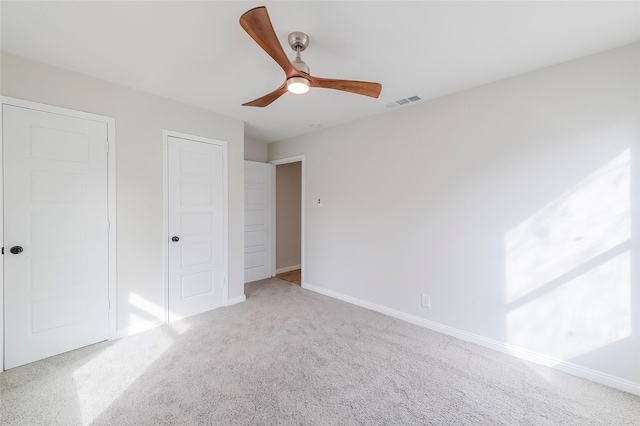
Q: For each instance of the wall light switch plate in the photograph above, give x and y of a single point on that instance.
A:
(426, 301)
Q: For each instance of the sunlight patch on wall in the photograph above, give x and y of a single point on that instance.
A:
(568, 268)
(581, 315)
(145, 315)
(581, 224)
(151, 309)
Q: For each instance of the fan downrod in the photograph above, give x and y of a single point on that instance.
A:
(299, 42)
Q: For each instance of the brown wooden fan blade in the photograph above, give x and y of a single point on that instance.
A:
(268, 98)
(257, 24)
(360, 87)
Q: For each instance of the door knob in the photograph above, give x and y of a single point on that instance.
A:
(174, 239)
(16, 250)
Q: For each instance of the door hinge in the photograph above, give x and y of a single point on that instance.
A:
(107, 145)
(108, 305)
(108, 226)
(3, 251)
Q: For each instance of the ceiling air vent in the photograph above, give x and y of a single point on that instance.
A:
(404, 101)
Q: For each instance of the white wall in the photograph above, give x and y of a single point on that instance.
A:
(510, 204)
(288, 215)
(255, 150)
(140, 118)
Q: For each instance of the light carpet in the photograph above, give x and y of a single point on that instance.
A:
(289, 356)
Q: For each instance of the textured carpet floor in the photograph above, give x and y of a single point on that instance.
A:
(290, 356)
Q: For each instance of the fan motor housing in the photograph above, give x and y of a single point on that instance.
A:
(298, 40)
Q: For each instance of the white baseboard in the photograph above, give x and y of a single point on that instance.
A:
(288, 269)
(235, 300)
(567, 367)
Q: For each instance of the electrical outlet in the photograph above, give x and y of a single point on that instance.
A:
(426, 301)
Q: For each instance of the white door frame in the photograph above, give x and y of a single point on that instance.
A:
(295, 159)
(110, 145)
(165, 213)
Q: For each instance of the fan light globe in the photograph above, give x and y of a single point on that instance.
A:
(298, 85)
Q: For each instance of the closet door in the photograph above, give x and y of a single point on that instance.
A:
(55, 233)
(196, 227)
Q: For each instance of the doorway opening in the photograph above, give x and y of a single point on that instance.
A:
(289, 218)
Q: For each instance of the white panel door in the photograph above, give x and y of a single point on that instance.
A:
(56, 288)
(196, 225)
(258, 223)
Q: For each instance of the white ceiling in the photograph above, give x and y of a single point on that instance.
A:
(197, 53)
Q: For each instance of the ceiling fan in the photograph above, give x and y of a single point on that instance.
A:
(298, 79)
